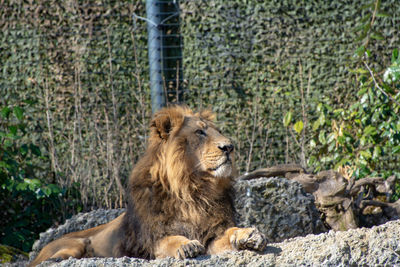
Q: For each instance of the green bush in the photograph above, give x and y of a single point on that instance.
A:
(9, 254)
(29, 203)
(367, 130)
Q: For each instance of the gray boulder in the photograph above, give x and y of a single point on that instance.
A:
(77, 222)
(377, 246)
(281, 210)
(278, 207)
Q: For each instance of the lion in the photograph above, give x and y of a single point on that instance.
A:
(179, 198)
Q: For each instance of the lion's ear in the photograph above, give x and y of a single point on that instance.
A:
(207, 114)
(161, 126)
(165, 121)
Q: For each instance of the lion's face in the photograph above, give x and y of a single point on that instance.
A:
(206, 147)
(191, 143)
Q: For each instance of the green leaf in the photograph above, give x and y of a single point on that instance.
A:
(341, 140)
(382, 15)
(367, 27)
(396, 150)
(321, 119)
(362, 141)
(315, 125)
(46, 191)
(5, 112)
(35, 150)
(359, 51)
(32, 183)
(362, 36)
(342, 162)
(369, 130)
(360, 71)
(377, 152)
(298, 126)
(321, 137)
(331, 138)
(366, 154)
(4, 165)
(368, 53)
(331, 146)
(24, 149)
(54, 189)
(368, 6)
(320, 107)
(13, 129)
(395, 56)
(377, 36)
(21, 186)
(392, 75)
(338, 112)
(313, 144)
(19, 113)
(7, 143)
(363, 20)
(287, 118)
(361, 26)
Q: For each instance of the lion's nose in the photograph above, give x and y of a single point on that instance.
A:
(227, 148)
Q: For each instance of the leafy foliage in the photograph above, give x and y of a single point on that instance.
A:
(29, 204)
(10, 254)
(85, 64)
(366, 130)
(256, 61)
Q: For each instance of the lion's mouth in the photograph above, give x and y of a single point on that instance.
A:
(226, 162)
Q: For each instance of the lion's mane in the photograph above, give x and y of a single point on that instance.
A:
(165, 195)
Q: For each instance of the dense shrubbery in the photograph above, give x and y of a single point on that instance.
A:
(254, 61)
(366, 129)
(30, 204)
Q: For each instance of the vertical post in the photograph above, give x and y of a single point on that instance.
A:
(172, 52)
(153, 10)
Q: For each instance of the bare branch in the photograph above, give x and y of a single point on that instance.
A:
(377, 85)
(278, 170)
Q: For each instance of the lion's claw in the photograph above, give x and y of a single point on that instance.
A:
(248, 238)
(190, 250)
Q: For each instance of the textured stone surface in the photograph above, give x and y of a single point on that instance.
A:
(280, 209)
(377, 246)
(77, 222)
(277, 207)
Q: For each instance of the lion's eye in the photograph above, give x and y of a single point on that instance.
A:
(201, 132)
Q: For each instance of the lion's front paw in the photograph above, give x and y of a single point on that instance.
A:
(248, 238)
(191, 249)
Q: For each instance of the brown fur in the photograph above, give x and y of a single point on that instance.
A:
(179, 202)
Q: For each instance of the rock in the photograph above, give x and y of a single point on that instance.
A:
(376, 246)
(278, 207)
(77, 222)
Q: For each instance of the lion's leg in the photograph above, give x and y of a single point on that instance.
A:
(69, 252)
(236, 238)
(62, 248)
(179, 247)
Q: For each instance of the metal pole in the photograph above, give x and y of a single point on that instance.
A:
(153, 10)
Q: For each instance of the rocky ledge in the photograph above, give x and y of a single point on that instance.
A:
(377, 246)
(285, 214)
